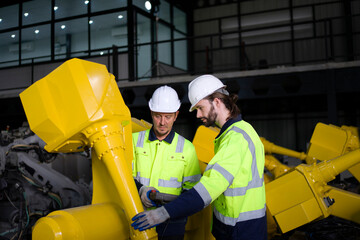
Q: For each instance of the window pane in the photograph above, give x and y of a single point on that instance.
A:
(143, 29)
(35, 44)
(9, 17)
(164, 48)
(164, 11)
(68, 8)
(180, 51)
(143, 52)
(180, 20)
(9, 48)
(71, 38)
(144, 62)
(100, 5)
(36, 11)
(108, 30)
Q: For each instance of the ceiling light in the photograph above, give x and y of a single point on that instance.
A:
(63, 26)
(56, 8)
(13, 35)
(37, 31)
(91, 22)
(26, 14)
(86, 2)
(147, 5)
(120, 16)
(101, 53)
(0, 19)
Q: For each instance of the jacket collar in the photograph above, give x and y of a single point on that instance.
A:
(228, 123)
(168, 139)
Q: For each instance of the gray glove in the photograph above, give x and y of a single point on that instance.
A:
(144, 196)
(149, 219)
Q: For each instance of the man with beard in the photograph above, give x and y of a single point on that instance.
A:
(233, 181)
(164, 160)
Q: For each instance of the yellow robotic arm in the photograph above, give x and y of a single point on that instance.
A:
(75, 107)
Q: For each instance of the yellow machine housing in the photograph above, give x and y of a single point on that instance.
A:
(76, 107)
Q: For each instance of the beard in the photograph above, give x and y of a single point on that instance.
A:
(159, 133)
(211, 118)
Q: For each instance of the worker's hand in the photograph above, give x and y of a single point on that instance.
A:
(144, 195)
(149, 219)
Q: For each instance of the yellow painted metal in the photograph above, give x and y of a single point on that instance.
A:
(80, 223)
(353, 143)
(79, 106)
(274, 166)
(346, 206)
(204, 143)
(329, 141)
(272, 148)
(304, 192)
(139, 125)
(199, 225)
(289, 195)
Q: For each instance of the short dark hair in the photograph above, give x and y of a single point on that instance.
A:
(228, 100)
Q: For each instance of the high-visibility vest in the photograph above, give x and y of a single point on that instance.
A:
(234, 178)
(170, 168)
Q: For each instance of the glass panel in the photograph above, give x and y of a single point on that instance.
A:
(9, 48)
(35, 43)
(180, 51)
(70, 37)
(164, 50)
(164, 11)
(180, 20)
(143, 29)
(108, 30)
(143, 52)
(68, 8)
(144, 62)
(100, 5)
(36, 11)
(9, 16)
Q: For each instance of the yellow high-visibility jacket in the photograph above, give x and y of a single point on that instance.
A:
(170, 167)
(233, 181)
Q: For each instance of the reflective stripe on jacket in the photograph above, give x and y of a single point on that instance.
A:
(170, 168)
(233, 180)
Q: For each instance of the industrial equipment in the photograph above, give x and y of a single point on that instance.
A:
(29, 187)
(76, 107)
(301, 195)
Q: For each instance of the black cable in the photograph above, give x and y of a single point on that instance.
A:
(22, 202)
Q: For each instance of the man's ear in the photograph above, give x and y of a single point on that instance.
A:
(217, 102)
(176, 115)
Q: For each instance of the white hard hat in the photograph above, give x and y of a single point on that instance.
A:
(164, 100)
(202, 87)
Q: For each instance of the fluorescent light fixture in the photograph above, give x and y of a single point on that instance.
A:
(148, 5)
